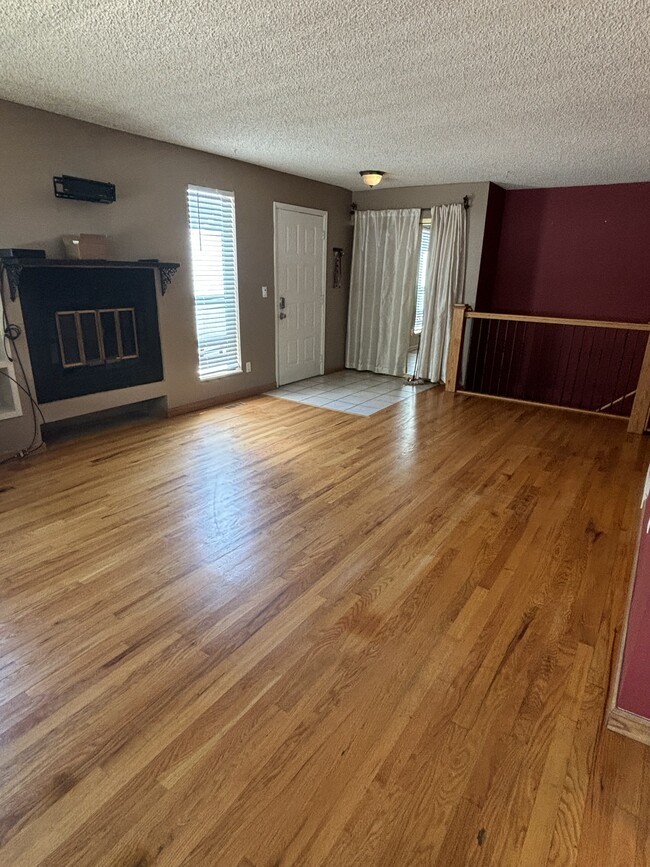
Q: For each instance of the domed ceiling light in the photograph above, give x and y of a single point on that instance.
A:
(371, 177)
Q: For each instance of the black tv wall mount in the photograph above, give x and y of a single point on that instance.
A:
(83, 189)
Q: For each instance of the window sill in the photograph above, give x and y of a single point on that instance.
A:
(221, 375)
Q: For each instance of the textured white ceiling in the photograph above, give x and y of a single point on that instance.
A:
(522, 92)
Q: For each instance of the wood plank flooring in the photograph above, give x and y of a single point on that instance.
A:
(272, 634)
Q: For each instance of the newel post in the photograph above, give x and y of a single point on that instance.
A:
(455, 346)
(641, 406)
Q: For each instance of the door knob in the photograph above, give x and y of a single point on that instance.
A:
(283, 315)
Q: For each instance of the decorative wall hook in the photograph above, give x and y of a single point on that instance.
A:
(338, 267)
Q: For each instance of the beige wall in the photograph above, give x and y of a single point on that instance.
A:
(149, 220)
(443, 194)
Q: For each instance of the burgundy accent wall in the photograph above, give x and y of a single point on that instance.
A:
(490, 250)
(579, 252)
(576, 252)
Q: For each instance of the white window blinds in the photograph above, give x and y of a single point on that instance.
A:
(425, 237)
(214, 276)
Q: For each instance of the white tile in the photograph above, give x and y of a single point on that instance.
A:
(386, 389)
(316, 400)
(338, 392)
(338, 405)
(294, 398)
(362, 410)
(387, 400)
(376, 404)
(365, 394)
(354, 392)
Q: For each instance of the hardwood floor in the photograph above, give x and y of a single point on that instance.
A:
(271, 634)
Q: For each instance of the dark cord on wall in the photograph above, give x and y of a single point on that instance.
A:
(10, 334)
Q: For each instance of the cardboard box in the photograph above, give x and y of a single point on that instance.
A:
(85, 246)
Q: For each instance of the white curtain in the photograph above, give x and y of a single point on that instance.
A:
(382, 290)
(443, 287)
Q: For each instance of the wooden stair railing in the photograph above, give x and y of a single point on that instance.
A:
(587, 365)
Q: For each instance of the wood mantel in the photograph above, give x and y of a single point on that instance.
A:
(13, 268)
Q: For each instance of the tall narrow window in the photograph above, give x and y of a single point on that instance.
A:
(214, 276)
(425, 236)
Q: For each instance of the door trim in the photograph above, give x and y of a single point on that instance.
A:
(281, 206)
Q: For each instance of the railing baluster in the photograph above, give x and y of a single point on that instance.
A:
(495, 350)
(585, 376)
(476, 342)
(577, 368)
(484, 365)
(565, 380)
(553, 341)
(629, 380)
(613, 407)
(617, 393)
(538, 360)
(596, 372)
(503, 354)
(524, 344)
(512, 352)
(557, 382)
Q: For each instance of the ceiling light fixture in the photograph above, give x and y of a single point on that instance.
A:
(371, 177)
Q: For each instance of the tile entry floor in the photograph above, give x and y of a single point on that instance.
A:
(353, 391)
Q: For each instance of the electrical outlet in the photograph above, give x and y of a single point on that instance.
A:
(265, 291)
(248, 367)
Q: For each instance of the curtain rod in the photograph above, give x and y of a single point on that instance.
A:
(425, 213)
(465, 203)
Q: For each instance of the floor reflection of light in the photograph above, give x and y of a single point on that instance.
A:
(239, 501)
(408, 434)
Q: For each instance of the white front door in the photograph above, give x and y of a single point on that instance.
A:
(300, 245)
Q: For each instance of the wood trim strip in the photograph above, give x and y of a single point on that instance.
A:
(555, 320)
(544, 405)
(641, 406)
(618, 717)
(615, 679)
(629, 724)
(455, 346)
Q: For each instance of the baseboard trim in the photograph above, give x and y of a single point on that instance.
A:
(629, 724)
(219, 400)
(624, 722)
